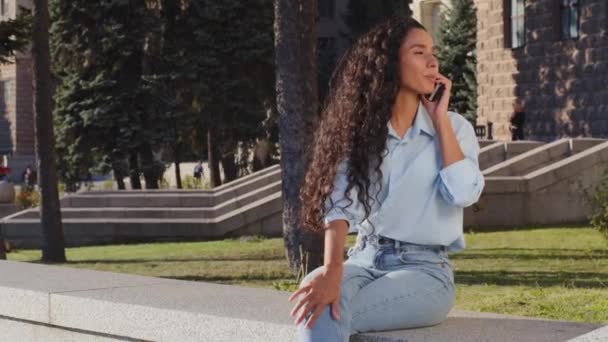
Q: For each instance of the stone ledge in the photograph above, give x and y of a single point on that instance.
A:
(57, 302)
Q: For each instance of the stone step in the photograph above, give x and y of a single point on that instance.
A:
(261, 217)
(541, 156)
(270, 174)
(155, 207)
(498, 152)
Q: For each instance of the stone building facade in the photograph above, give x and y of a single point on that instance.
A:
(430, 13)
(552, 55)
(16, 103)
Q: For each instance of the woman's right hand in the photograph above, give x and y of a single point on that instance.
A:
(322, 290)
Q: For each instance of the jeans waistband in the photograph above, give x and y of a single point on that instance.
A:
(382, 241)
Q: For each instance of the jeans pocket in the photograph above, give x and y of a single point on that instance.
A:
(430, 262)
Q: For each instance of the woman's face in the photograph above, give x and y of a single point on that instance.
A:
(418, 65)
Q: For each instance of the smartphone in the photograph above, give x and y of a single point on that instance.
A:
(437, 92)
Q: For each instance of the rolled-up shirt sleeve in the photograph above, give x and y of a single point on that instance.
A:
(461, 183)
(337, 206)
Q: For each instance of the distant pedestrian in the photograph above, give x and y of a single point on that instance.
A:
(198, 171)
(518, 119)
(29, 179)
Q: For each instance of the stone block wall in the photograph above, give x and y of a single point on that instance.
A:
(561, 82)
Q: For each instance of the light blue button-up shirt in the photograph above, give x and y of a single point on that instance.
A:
(420, 201)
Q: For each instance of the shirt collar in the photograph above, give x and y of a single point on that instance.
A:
(422, 123)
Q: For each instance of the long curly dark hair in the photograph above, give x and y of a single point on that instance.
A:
(353, 121)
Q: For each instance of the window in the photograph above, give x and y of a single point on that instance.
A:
(3, 8)
(515, 27)
(327, 8)
(569, 18)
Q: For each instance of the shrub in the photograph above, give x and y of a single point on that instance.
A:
(28, 199)
(599, 202)
(191, 183)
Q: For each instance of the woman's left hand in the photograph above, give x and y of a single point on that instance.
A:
(439, 109)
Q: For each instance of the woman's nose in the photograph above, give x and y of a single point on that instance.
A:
(433, 62)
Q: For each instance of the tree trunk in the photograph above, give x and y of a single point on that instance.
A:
(214, 167)
(2, 249)
(120, 183)
(53, 248)
(296, 85)
(134, 171)
(229, 166)
(178, 173)
(148, 167)
(118, 175)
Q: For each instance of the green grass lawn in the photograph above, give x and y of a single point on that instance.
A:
(557, 273)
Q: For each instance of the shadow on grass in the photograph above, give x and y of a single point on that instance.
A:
(532, 254)
(567, 279)
(492, 229)
(228, 279)
(132, 261)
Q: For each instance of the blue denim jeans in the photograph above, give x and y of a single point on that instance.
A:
(386, 285)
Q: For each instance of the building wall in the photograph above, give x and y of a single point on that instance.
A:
(17, 137)
(495, 69)
(428, 13)
(562, 83)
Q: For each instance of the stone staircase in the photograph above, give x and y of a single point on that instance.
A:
(549, 184)
(249, 205)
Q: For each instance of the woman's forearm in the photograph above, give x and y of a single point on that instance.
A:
(335, 238)
(450, 149)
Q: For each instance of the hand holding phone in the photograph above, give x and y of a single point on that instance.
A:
(437, 92)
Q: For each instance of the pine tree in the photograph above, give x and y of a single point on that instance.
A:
(362, 15)
(457, 56)
(232, 54)
(164, 76)
(15, 34)
(98, 50)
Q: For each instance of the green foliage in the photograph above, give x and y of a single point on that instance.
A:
(27, 199)
(15, 34)
(98, 48)
(191, 183)
(237, 91)
(457, 57)
(285, 285)
(362, 15)
(599, 201)
(108, 184)
(136, 80)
